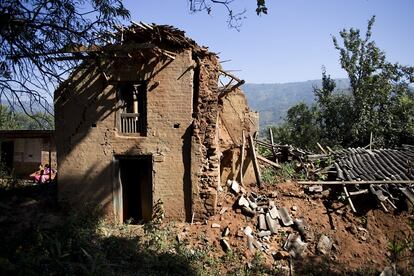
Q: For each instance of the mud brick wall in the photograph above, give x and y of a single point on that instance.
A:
(88, 140)
(206, 157)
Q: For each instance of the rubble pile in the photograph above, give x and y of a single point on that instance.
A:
(269, 226)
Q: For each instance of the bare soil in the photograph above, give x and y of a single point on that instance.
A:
(363, 243)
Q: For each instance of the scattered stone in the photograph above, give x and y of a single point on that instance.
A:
(264, 233)
(243, 190)
(389, 271)
(273, 194)
(29, 203)
(362, 229)
(281, 255)
(273, 212)
(226, 232)
(252, 204)
(363, 238)
(215, 225)
(335, 247)
(243, 202)
(285, 217)
(250, 240)
(223, 210)
(235, 187)
(325, 193)
(257, 244)
(262, 222)
(248, 211)
(340, 212)
(272, 223)
(225, 245)
(295, 246)
(324, 245)
(248, 230)
(352, 229)
(288, 241)
(301, 229)
(315, 189)
(294, 208)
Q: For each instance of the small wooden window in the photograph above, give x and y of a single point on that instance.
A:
(133, 108)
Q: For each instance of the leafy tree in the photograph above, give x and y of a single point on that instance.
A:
(6, 119)
(380, 100)
(13, 120)
(334, 113)
(376, 86)
(36, 37)
(234, 17)
(300, 127)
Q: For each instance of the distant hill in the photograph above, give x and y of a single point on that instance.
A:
(30, 107)
(274, 99)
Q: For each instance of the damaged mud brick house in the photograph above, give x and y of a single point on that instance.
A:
(144, 119)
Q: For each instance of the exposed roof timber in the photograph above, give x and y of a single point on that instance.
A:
(230, 75)
(227, 89)
(95, 49)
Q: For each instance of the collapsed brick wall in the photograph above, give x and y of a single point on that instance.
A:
(205, 141)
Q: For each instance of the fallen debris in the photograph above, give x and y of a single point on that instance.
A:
(215, 225)
(324, 245)
(295, 246)
(285, 217)
(225, 244)
(234, 186)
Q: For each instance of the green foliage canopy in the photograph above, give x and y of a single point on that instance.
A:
(380, 101)
(35, 38)
(20, 121)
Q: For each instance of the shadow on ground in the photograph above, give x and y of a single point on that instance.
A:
(38, 237)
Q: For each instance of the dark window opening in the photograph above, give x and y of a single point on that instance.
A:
(136, 183)
(7, 151)
(133, 108)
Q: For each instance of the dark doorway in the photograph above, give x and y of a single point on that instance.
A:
(136, 186)
(7, 150)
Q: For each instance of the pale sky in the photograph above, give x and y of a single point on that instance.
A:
(293, 41)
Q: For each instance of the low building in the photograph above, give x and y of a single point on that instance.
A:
(22, 151)
(144, 119)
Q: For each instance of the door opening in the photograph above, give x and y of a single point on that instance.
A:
(135, 193)
(7, 151)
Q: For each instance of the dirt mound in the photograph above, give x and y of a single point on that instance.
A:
(325, 236)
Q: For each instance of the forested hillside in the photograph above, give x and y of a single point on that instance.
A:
(273, 100)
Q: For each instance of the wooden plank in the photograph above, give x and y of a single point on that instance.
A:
(276, 165)
(242, 157)
(272, 143)
(364, 191)
(255, 164)
(349, 198)
(322, 149)
(356, 182)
